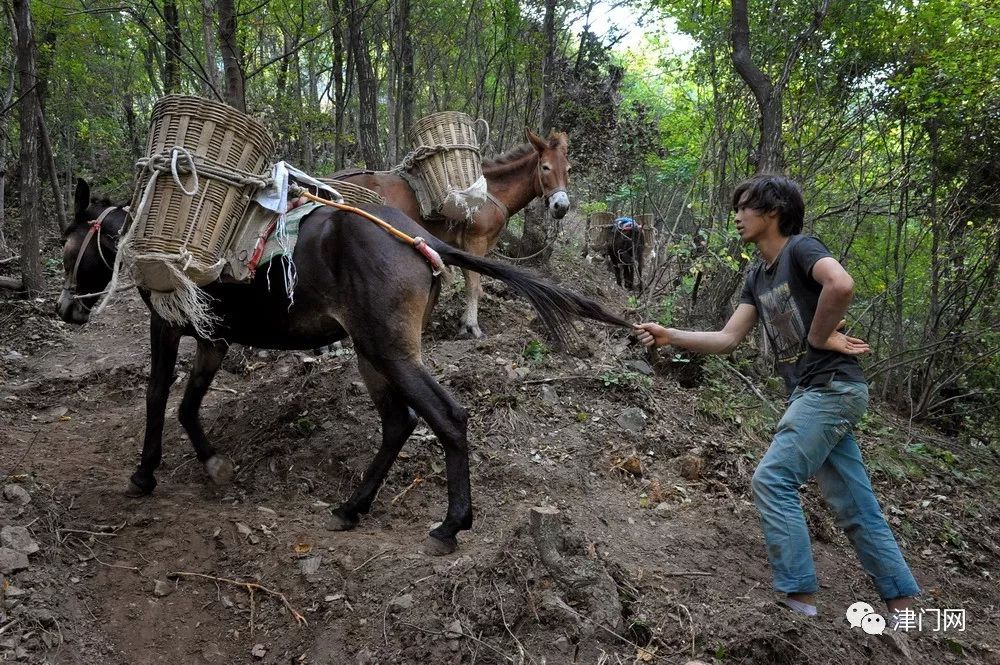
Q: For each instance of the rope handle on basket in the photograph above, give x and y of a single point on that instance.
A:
(174, 153)
(418, 243)
(486, 132)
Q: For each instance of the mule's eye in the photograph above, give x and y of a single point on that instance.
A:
(546, 168)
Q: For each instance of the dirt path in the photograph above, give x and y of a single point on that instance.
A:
(660, 516)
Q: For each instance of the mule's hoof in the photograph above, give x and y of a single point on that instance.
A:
(341, 523)
(439, 547)
(220, 469)
(471, 332)
(133, 491)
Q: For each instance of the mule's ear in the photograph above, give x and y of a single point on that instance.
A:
(535, 140)
(81, 200)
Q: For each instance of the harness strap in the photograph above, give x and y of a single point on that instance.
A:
(95, 229)
(499, 204)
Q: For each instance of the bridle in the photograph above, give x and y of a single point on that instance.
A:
(92, 232)
(541, 185)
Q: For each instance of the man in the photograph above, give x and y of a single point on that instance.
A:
(801, 294)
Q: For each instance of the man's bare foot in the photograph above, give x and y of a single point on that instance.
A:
(800, 603)
(899, 604)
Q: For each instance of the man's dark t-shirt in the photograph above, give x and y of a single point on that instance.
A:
(785, 296)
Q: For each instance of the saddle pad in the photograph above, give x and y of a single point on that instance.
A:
(274, 246)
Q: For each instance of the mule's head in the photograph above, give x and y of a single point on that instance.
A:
(553, 170)
(89, 248)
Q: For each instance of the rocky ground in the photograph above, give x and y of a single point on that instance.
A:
(613, 521)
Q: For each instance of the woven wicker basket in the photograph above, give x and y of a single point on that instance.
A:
(353, 194)
(451, 170)
(599, 226)
(648, 234)
(200, 226)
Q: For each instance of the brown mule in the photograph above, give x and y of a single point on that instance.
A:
(353, 280)
(539, 168)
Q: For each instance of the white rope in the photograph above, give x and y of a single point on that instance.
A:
(174, 153)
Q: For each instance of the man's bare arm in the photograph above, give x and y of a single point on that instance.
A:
(723, 341)
(838, 289)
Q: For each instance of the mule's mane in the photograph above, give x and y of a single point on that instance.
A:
(518, 153)
(515, 154)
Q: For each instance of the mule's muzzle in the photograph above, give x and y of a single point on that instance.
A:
(70, 309)
(559, 204)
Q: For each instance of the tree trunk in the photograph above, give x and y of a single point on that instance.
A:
(132, 128)
(769, 156)
(232, 58)
(50, 165)
(3, 215)
(338, 86)
(213, 84)
(407, 91)
(392, 83)
(172, 41)
(364, 74)
(31, 267)
(548, 68)
(537, 234)
(149, 62)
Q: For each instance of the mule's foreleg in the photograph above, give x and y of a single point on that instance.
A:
(207, 362)
(398, 421)
(449, 420)
(163, 341)
(619, 269)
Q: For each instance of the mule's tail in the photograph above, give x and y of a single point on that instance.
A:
(556, 306)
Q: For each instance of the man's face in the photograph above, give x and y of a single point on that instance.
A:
(752, 225)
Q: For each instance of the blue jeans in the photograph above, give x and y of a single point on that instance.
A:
(814, 439)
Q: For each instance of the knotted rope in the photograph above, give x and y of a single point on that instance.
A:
(168, 161)
(423, 152)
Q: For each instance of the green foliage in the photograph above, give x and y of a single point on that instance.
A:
(589, 207)
(626, 380)
(536, 351)
(725, 400)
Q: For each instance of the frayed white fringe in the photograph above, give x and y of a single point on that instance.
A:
(463, 204)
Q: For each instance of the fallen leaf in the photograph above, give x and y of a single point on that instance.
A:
(302, 548)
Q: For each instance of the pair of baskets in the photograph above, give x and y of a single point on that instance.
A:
(600, 228)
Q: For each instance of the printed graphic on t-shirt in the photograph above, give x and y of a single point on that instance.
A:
(783, 322)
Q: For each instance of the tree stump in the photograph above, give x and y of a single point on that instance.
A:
(583, 580)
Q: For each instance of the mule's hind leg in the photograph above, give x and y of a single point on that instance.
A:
(449, 421)
(478, 245)
(163, 343)
(207, 361)
(398, 421)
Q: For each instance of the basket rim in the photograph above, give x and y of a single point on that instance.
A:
(231, 114)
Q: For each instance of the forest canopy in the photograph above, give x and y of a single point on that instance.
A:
(887, 113)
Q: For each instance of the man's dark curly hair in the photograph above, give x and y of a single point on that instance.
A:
(768, 192)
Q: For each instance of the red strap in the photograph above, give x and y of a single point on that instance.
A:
(258, 250)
